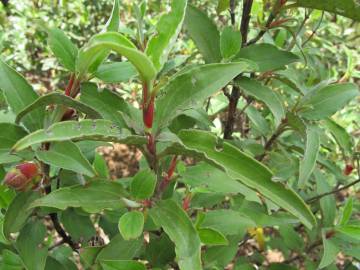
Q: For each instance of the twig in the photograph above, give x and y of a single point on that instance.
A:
(314, 30)
(263, 31)
(293, 42)
(271, 141)
(245, 20)
(232, 11)
(318, 197)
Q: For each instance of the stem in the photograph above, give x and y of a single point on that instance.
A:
(318, 197)
(314, 30)
(70, 85)
(167, 179)
(271, 141)
(245, 20)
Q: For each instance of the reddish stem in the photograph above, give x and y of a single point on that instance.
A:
(70, 85)
(148, 113)
(165, 182)
(186, 202)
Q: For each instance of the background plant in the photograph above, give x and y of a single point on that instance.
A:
(247, 121)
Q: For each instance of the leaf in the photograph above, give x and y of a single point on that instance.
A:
(330, 252)
(92, 197)
(167, 31)
(18, 212)
(248, 171)
(58, 99)
(113, 22)
(181, 231)
(212, 237)
(307, 164)
(122, 265)
(193, 87)
(62, 47)
(264, 94)
(19, 94)
(343, 139)
(131, 225)
(352, 231)
(347, 212)
(347, 8)
(29, 245)
(327, 203)
(88, 56)
(120, 249)
(160, 251)
(11, 261)
(203, 31)
(99, 130)
(100, 166)
(324, 102)
(108, 103)
(222, 6)
(78, 226)
(9, 135)
(230, 42)
(66, 155)
(143, 184)
(266, 56)
(115, 72)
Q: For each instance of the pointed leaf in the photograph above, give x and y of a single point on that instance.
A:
(167, 30)
(92, 197)
(98, 130)
(58, 99)
(331, 250)
(307, 164)
(264, 94)
(115, 72)
(113, 23)
(131, 225)
(205, 34)
(19, 94)
(193, 87)
(143, 184)
(324, 102)
(212, 237)
(66, 155)
(352, 231)
(181, 231)
(347, 212)
(230, 42)
(340, 134)
(9, 135)
(122, 265)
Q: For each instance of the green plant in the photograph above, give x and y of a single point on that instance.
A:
(271, 164)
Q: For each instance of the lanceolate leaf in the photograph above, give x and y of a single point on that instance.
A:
(347, 8)
(267, 56)
(64, 50)
(98, 130)
(340, 134)
(121, 45)
(331, 250)
(230, 42)
(352, 231)
(307, 164)
(113, 23)
(66, 155)
(115, 72)
(193, 87)
(19, 94)
(92, 197)
(248, 171)
(181, 231)
(324, 102)
(58, 99)
(167, 30)
(204, 33)
(264, 94)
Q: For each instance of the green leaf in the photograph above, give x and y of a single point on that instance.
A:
(264, 94)
(193, 87)
(324, 102)
(62, 47)
(143, 184)
(347, 212)
(131, 225)
(203, 31)
(267, 56)
(100, 166)
(181, 231)
(230, 42)
(11, 261)
(9, 135)
(19, 94)
(248, 171)
(108, 103)
(113, 23)
(160, 251)
(330, 252)
(92, 197)
(343, 139)
(347, 8)
(99, 130)
(115, 72)
(29, 245)
(352, 231)
(222, 6)
(78, 226)
(212, 237)
(307, 164)
(122, 265)
(58, 99)
(167, 31)
(66, 155)
(18, 212)
(120, 249)
(89, 56)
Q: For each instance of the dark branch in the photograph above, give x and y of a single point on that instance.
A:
(245, 20)
(262, 32)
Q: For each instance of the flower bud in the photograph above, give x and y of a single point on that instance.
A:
(348, 169)
(23, 177)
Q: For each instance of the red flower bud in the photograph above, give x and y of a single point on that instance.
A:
(29, 169)
(148, 114)
(348, 169)
(22, 177)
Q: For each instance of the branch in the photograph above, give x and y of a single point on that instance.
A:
(314, 31)
(271, 141)
(318, 197)
(245, 20)
(262, 32)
